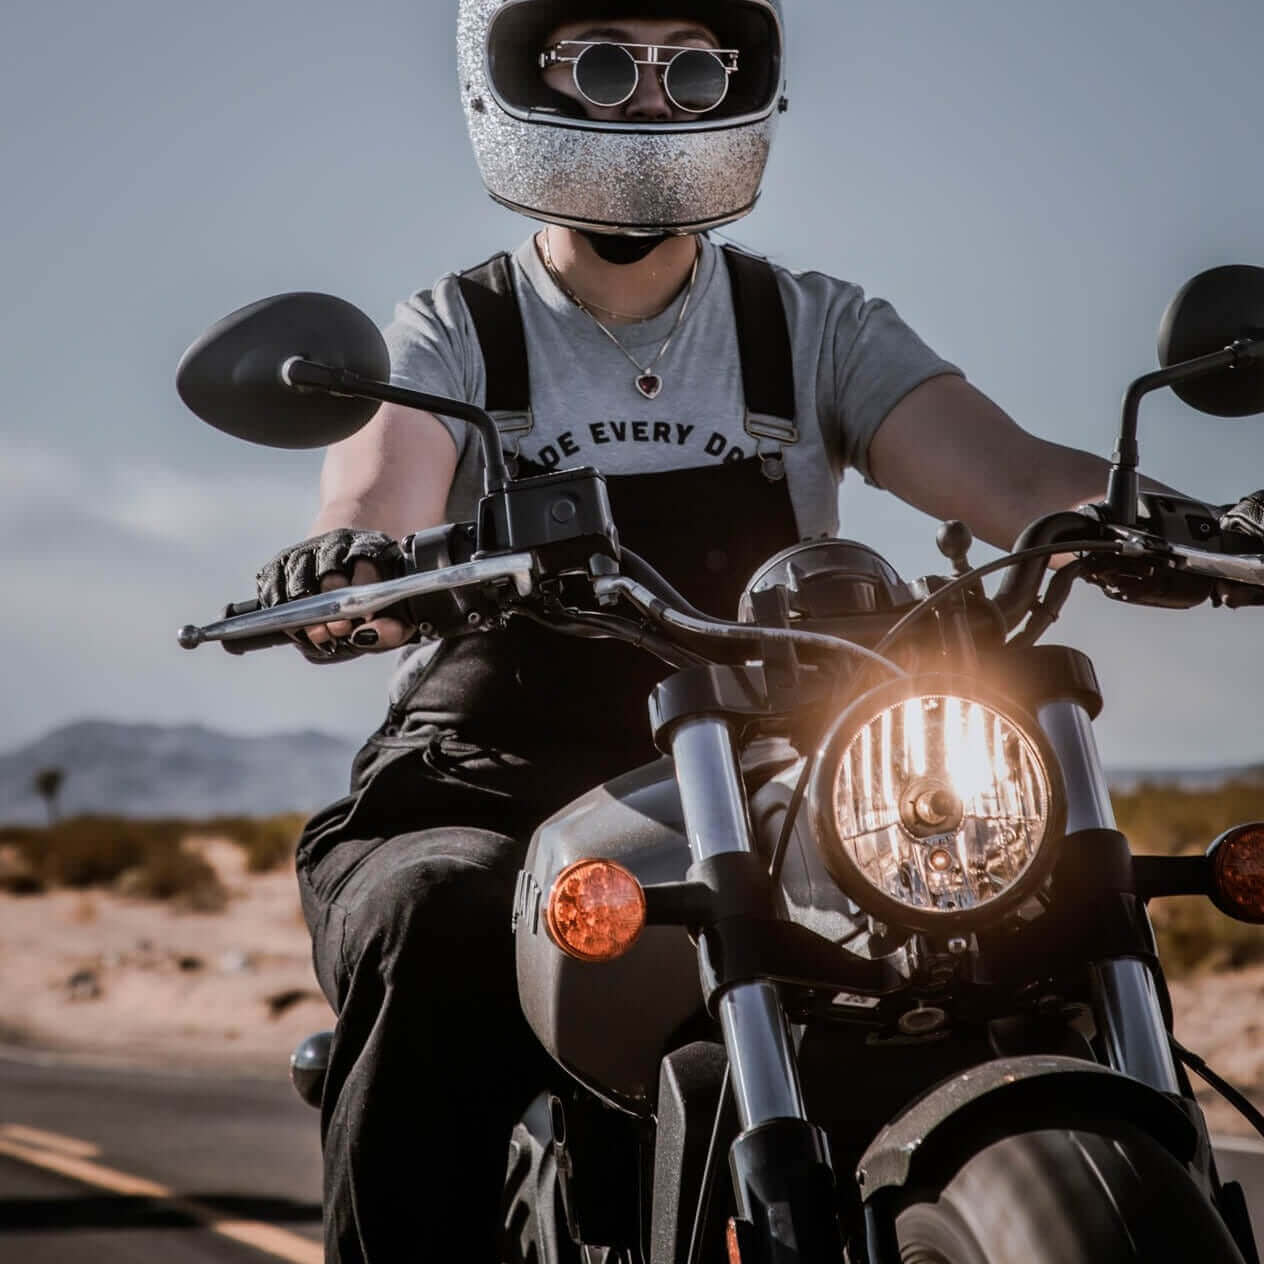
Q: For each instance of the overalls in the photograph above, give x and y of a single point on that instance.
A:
(407, 883)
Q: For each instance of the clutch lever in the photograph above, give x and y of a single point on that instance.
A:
(362, 600)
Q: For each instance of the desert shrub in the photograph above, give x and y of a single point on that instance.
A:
(173, 873)
(88, 851)
(1171, 820)
(1192, 933)
(144, 858)
(268, 840)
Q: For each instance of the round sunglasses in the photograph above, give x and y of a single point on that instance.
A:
(606, 74)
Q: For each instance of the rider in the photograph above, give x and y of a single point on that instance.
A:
(723, 398)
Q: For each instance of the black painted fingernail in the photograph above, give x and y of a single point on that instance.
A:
(364, 637)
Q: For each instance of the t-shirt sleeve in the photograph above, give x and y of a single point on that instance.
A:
(430, 348)
(877, 360)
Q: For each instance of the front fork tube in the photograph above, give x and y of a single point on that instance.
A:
(1129, 1015)
(780, 1163)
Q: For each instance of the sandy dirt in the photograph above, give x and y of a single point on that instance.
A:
(94, 974)
(98, 975)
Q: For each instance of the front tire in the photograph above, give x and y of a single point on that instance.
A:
(534, 1218)
(1066, 1197)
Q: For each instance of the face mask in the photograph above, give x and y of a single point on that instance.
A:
(620, 250)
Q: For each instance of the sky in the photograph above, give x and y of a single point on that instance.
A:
(1029, 184)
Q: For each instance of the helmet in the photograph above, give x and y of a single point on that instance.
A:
(632, 178)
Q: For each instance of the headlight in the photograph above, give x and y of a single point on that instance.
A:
(935, 802)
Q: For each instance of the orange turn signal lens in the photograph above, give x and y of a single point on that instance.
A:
(596, 910)
(1237, 872)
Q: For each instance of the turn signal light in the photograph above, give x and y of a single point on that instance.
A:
(596, 910)
(1237, 872)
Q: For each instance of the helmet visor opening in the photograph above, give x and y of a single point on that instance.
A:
(519, 34)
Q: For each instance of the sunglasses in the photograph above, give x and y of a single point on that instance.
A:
(695, 80)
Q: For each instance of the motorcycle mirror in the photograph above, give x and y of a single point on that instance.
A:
(231, 377)
(1213, 310)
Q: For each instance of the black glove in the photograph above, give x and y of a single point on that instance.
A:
(1243, 527)
(297, 571)
(1246, 517)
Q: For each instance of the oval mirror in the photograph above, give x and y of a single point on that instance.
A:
(231, 376)
(1213, 310)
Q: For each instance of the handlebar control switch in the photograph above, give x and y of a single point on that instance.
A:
(453, 611)
(954, 540)
(562, 518)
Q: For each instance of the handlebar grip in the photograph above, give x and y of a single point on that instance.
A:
(246, 644)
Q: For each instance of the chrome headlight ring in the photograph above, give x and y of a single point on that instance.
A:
(937, 803)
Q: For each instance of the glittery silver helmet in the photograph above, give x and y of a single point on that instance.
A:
(541, 157)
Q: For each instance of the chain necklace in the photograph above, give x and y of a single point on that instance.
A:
(646, 381)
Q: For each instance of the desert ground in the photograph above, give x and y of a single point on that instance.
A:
(99, 976)
(93, 974)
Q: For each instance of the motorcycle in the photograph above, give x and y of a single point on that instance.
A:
(868, 931)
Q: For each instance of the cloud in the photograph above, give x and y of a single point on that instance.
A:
(64, 509)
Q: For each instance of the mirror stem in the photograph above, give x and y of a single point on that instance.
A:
(306, 375)
(1124, 484)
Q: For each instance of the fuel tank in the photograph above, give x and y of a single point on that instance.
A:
(610, 1024)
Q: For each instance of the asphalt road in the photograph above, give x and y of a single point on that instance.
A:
(119, 1166)
(108, 1166)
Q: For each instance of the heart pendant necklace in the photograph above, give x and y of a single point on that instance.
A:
(649, 383)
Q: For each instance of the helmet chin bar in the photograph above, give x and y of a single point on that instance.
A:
(620, 250)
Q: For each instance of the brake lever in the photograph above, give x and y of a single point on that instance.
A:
(361, 601)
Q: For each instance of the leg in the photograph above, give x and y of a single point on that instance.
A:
(432, 1061)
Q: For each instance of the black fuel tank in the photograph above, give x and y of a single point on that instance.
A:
(610, 1023)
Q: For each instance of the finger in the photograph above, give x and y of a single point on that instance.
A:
(338, 628)
(300, 574)
(380, 632)
(270, 582)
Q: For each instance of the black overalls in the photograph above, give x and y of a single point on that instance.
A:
(407, 884)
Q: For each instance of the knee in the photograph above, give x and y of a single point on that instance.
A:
(434, 899)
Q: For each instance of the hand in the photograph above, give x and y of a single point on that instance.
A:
(334, 560)
(1246, 518)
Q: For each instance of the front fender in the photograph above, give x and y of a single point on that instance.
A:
(962, 1115)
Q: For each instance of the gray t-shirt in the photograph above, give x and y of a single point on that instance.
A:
(854, 360)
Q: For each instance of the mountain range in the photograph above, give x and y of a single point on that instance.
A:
(151, 770)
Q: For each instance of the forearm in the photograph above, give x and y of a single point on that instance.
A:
(392, 476)
(1066, 478)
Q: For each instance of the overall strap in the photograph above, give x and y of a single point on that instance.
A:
(763, 340)
(488, 291)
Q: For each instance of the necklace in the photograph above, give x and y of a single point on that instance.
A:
(646, 381)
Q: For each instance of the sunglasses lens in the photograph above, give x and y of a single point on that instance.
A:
(696, 81)
(606, 74)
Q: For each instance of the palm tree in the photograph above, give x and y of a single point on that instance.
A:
(47, 784)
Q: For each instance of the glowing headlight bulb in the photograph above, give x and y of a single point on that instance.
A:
(932, 804)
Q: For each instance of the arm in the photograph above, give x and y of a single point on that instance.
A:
(392, 476)
(948, 450)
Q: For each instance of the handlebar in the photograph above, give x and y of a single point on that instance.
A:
(246, 645)
(248, 627)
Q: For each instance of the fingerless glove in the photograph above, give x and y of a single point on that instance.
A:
(297, 571)
(1246, 517)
